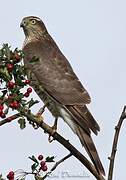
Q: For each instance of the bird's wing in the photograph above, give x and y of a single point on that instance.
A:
(56, 74)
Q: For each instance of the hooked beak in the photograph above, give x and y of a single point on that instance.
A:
(22, 24)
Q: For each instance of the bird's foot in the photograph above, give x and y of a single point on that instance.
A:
(34, 125)
(39, 118)
(54, 130)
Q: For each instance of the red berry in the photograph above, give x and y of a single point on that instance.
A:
(3, 115)
(11, 105)
(17, 57)
(42, 163)
(29, 90)
(44, 168)
(15, 104)
(40, 157)
(10, 175)
(1, 112)
(11, 84)
(10, 67)
(27, 81)
(26, 94)
(1, 107)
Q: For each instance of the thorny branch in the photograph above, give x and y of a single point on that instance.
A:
(9, 119)
(115, 142)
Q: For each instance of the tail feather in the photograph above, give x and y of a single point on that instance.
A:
(87, 142)
(83, 123)
(84, 112)
(84, 118)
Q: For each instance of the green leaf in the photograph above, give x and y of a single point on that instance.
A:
(1, 52)
(6, 50)
(4, 74)
(6, 110)
(22, 123)
(34, 166)
(1, 177)
(33, 158)
(15, 90)
(19, 97)
(50, 159)
(19, 82)
(32, 102)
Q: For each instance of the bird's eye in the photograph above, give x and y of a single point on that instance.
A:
(24, 22)
(33, 21)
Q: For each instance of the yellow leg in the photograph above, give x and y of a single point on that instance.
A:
(39, 117)
(54, 129)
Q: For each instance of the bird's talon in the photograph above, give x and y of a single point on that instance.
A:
(39, 118)
(50, 139)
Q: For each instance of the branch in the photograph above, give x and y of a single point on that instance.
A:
(64, 142)
(115, 141)
(9, 119)
(57, 164)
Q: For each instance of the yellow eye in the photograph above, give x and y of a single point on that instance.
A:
(33, 21)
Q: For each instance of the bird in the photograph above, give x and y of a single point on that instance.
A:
(58, 85)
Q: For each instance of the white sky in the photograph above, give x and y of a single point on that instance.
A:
(92, 35)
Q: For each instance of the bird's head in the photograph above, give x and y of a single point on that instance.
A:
(33, 26)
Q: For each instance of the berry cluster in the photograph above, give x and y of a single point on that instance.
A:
(14, 104)
(40, 163)
(10, 175)
(43, 165)
(12, 80)
(27, 93)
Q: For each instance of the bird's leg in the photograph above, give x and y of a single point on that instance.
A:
(38, 117)
(54, 129)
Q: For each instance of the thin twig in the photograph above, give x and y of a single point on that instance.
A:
(9, 119)
(57, 164)
(115, 142)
